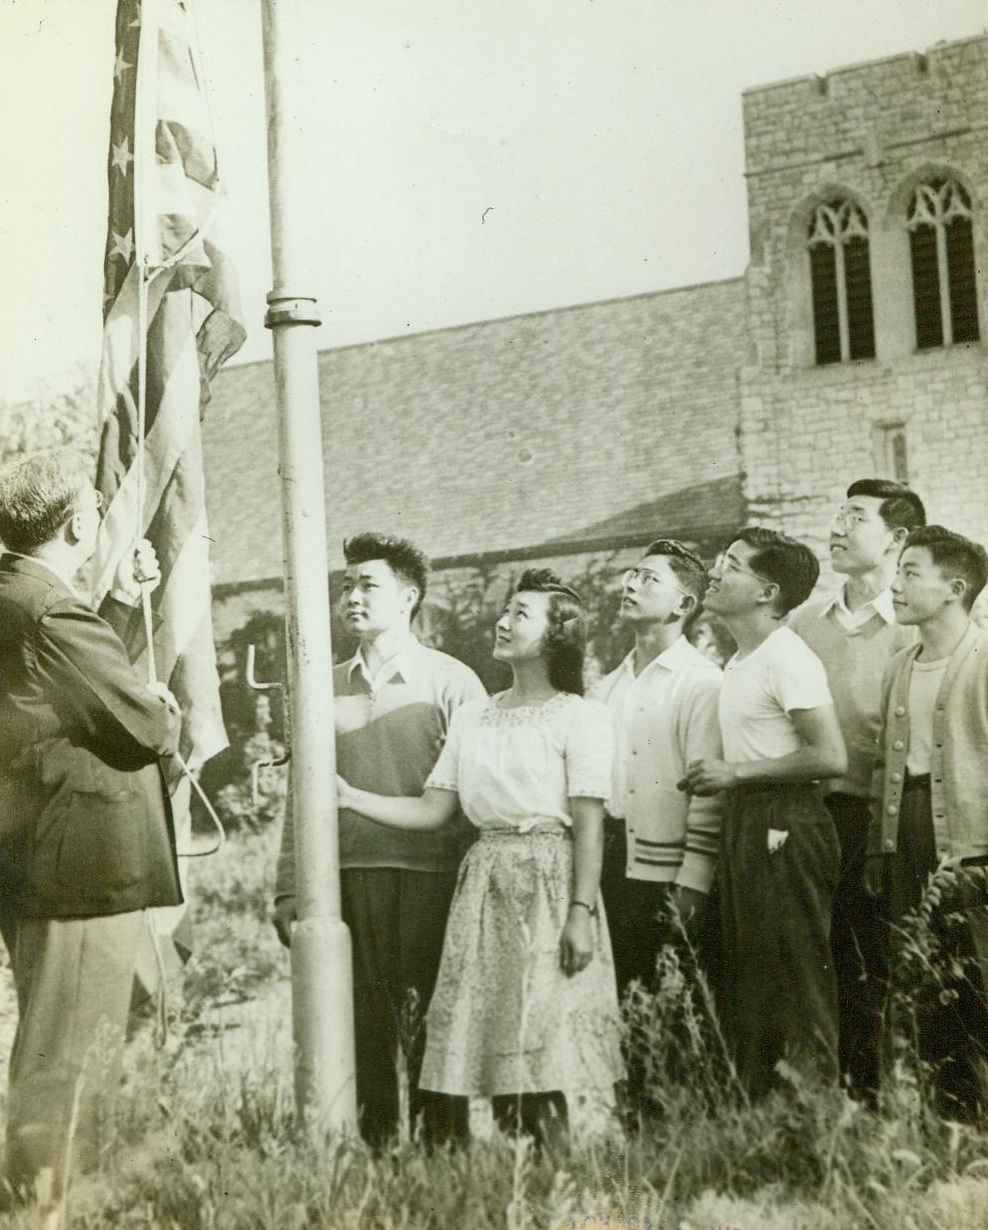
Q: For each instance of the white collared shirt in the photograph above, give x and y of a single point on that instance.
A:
(880, 605)
(400, 663)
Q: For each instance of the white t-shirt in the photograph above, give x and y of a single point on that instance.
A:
(924, 685)
(761, 689)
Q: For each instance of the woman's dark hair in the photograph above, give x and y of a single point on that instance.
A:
(566, 635)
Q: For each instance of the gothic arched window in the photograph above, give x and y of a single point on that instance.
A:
(840, 282)
(941, 243)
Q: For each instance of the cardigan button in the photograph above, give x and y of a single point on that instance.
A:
(898, 745)
(900, 711)
(888, 844)
(892, 809)
(895, 777)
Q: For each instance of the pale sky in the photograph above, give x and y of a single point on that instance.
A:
(467, 161)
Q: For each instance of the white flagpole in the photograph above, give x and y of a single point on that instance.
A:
(322, 983)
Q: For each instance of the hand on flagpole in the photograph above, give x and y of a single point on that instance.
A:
(137, 573)
(161, 690)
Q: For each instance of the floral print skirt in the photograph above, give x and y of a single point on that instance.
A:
(504, 1018)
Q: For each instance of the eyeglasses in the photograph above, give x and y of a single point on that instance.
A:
(646, 579)
(727, 563)
(849, 519)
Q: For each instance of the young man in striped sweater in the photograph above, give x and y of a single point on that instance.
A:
(855, 634)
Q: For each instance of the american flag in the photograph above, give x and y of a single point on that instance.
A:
(171, 318)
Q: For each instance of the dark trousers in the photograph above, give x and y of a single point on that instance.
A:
(951, 1010)
(777, 992)
(641, 925)
(74, 978)
(397, 921)
(637, 913)
(543, 1116)
(858, 947)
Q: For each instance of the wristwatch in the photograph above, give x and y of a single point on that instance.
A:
(590, 909)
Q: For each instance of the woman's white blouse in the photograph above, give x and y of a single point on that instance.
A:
(516, 768)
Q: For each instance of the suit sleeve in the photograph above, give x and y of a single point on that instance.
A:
(95, 691)
(701, 739)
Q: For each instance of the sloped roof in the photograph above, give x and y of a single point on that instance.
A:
(703, 513)
(495, 437)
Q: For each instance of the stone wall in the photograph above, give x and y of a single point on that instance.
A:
(493, 436)
(869, 132)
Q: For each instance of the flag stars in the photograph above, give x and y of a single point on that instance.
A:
(122, 157)
(123, 245)
(120, 66)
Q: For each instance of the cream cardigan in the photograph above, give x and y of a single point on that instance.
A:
(959, 761)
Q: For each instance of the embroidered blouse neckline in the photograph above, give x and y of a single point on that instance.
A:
(544, 704)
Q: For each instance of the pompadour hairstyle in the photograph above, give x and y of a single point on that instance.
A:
(404, 559)
(688, 567)
(37, 496)
(901, 508)
(955, 556)
(789, 564)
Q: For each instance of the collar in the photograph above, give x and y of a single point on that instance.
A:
(881, 605)
(402, 663)
(678, 654)
(30, 565)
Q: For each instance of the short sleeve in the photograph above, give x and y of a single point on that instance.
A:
(799, 679)
(446, 771)
(589, 751)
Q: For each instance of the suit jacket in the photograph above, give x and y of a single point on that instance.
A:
(85, 821)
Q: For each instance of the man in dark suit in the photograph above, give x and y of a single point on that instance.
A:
(86, 835)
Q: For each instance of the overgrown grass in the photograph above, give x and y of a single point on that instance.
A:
(206, 1139)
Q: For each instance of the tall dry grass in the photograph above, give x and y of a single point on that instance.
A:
(205, 1138)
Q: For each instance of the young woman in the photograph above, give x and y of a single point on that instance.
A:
(525, 1007)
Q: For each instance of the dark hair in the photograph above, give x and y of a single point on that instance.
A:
(404, 559)
(37, 496)
(687, 566)
(566, 636)
(789, 564)
(901, 508)
(959, 556)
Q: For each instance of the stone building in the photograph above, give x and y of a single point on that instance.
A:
(866, 291)
(854, 344)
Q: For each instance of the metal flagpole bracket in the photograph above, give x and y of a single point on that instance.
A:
(291, 310)
(257, 765)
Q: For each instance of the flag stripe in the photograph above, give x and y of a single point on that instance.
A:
(163, 183)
